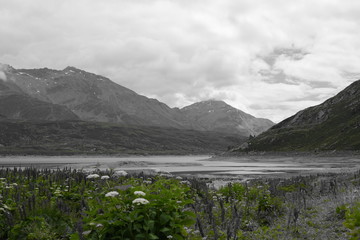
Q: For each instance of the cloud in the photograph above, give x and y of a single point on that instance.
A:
(270, 59)
(3, 68)
(2, 76)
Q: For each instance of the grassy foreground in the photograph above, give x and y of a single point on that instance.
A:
(72, 204)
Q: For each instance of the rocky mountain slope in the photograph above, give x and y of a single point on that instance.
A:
(332, 125)
(72, 93)
(218, 116)
(91, 97)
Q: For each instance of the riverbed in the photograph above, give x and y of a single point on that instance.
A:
(201, 166)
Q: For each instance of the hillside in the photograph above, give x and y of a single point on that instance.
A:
(78, 137)
(332, 125)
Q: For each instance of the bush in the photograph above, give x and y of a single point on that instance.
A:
(352, 221)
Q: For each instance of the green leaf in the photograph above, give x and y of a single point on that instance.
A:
(164, 218)
(152, 236)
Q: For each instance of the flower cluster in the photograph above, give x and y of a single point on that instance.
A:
(139, 201)
(139, 193)
(112, 194)
(92, 176)
(120, 173)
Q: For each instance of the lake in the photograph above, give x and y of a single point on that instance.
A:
(203, 166)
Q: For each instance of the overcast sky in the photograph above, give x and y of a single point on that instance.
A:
(270, 58)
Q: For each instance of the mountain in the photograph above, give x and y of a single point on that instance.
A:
(15, 104)
(218, 116)
(332, 125)
(92, 97)
(71, 93)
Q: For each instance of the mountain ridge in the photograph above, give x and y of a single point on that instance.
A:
(92, 97)
(331, 125)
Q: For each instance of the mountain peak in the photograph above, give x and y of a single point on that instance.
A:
(210, 104)
(72, 69)
(217, 115)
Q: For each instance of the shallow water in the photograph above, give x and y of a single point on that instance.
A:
(192, 165)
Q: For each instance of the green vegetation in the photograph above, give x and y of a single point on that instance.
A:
(78, 137)
(71, 204)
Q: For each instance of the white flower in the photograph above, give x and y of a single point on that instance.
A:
(93, 176)
(139, 201)
(86, 232)
(99, 225)
(139, 193)
(169, 237)
(105, 177)
(120, 173)
(112, 194)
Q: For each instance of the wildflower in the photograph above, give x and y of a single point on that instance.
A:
(120, 173)
(86, 232)
(99, 225)
(179, 178)
(147, 182)
(105, 177)
(188, 230)
(139, 193)
(179, 202)
(112, 194)
(139, 201)
(169, 237)
(93, 176)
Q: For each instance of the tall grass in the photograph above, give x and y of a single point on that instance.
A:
(73, 204)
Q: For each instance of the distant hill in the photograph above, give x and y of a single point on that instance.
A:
(218, 116)
(79, 137)
(71, 93)
(332, 125)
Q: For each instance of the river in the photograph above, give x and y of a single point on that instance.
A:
(205, 166)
